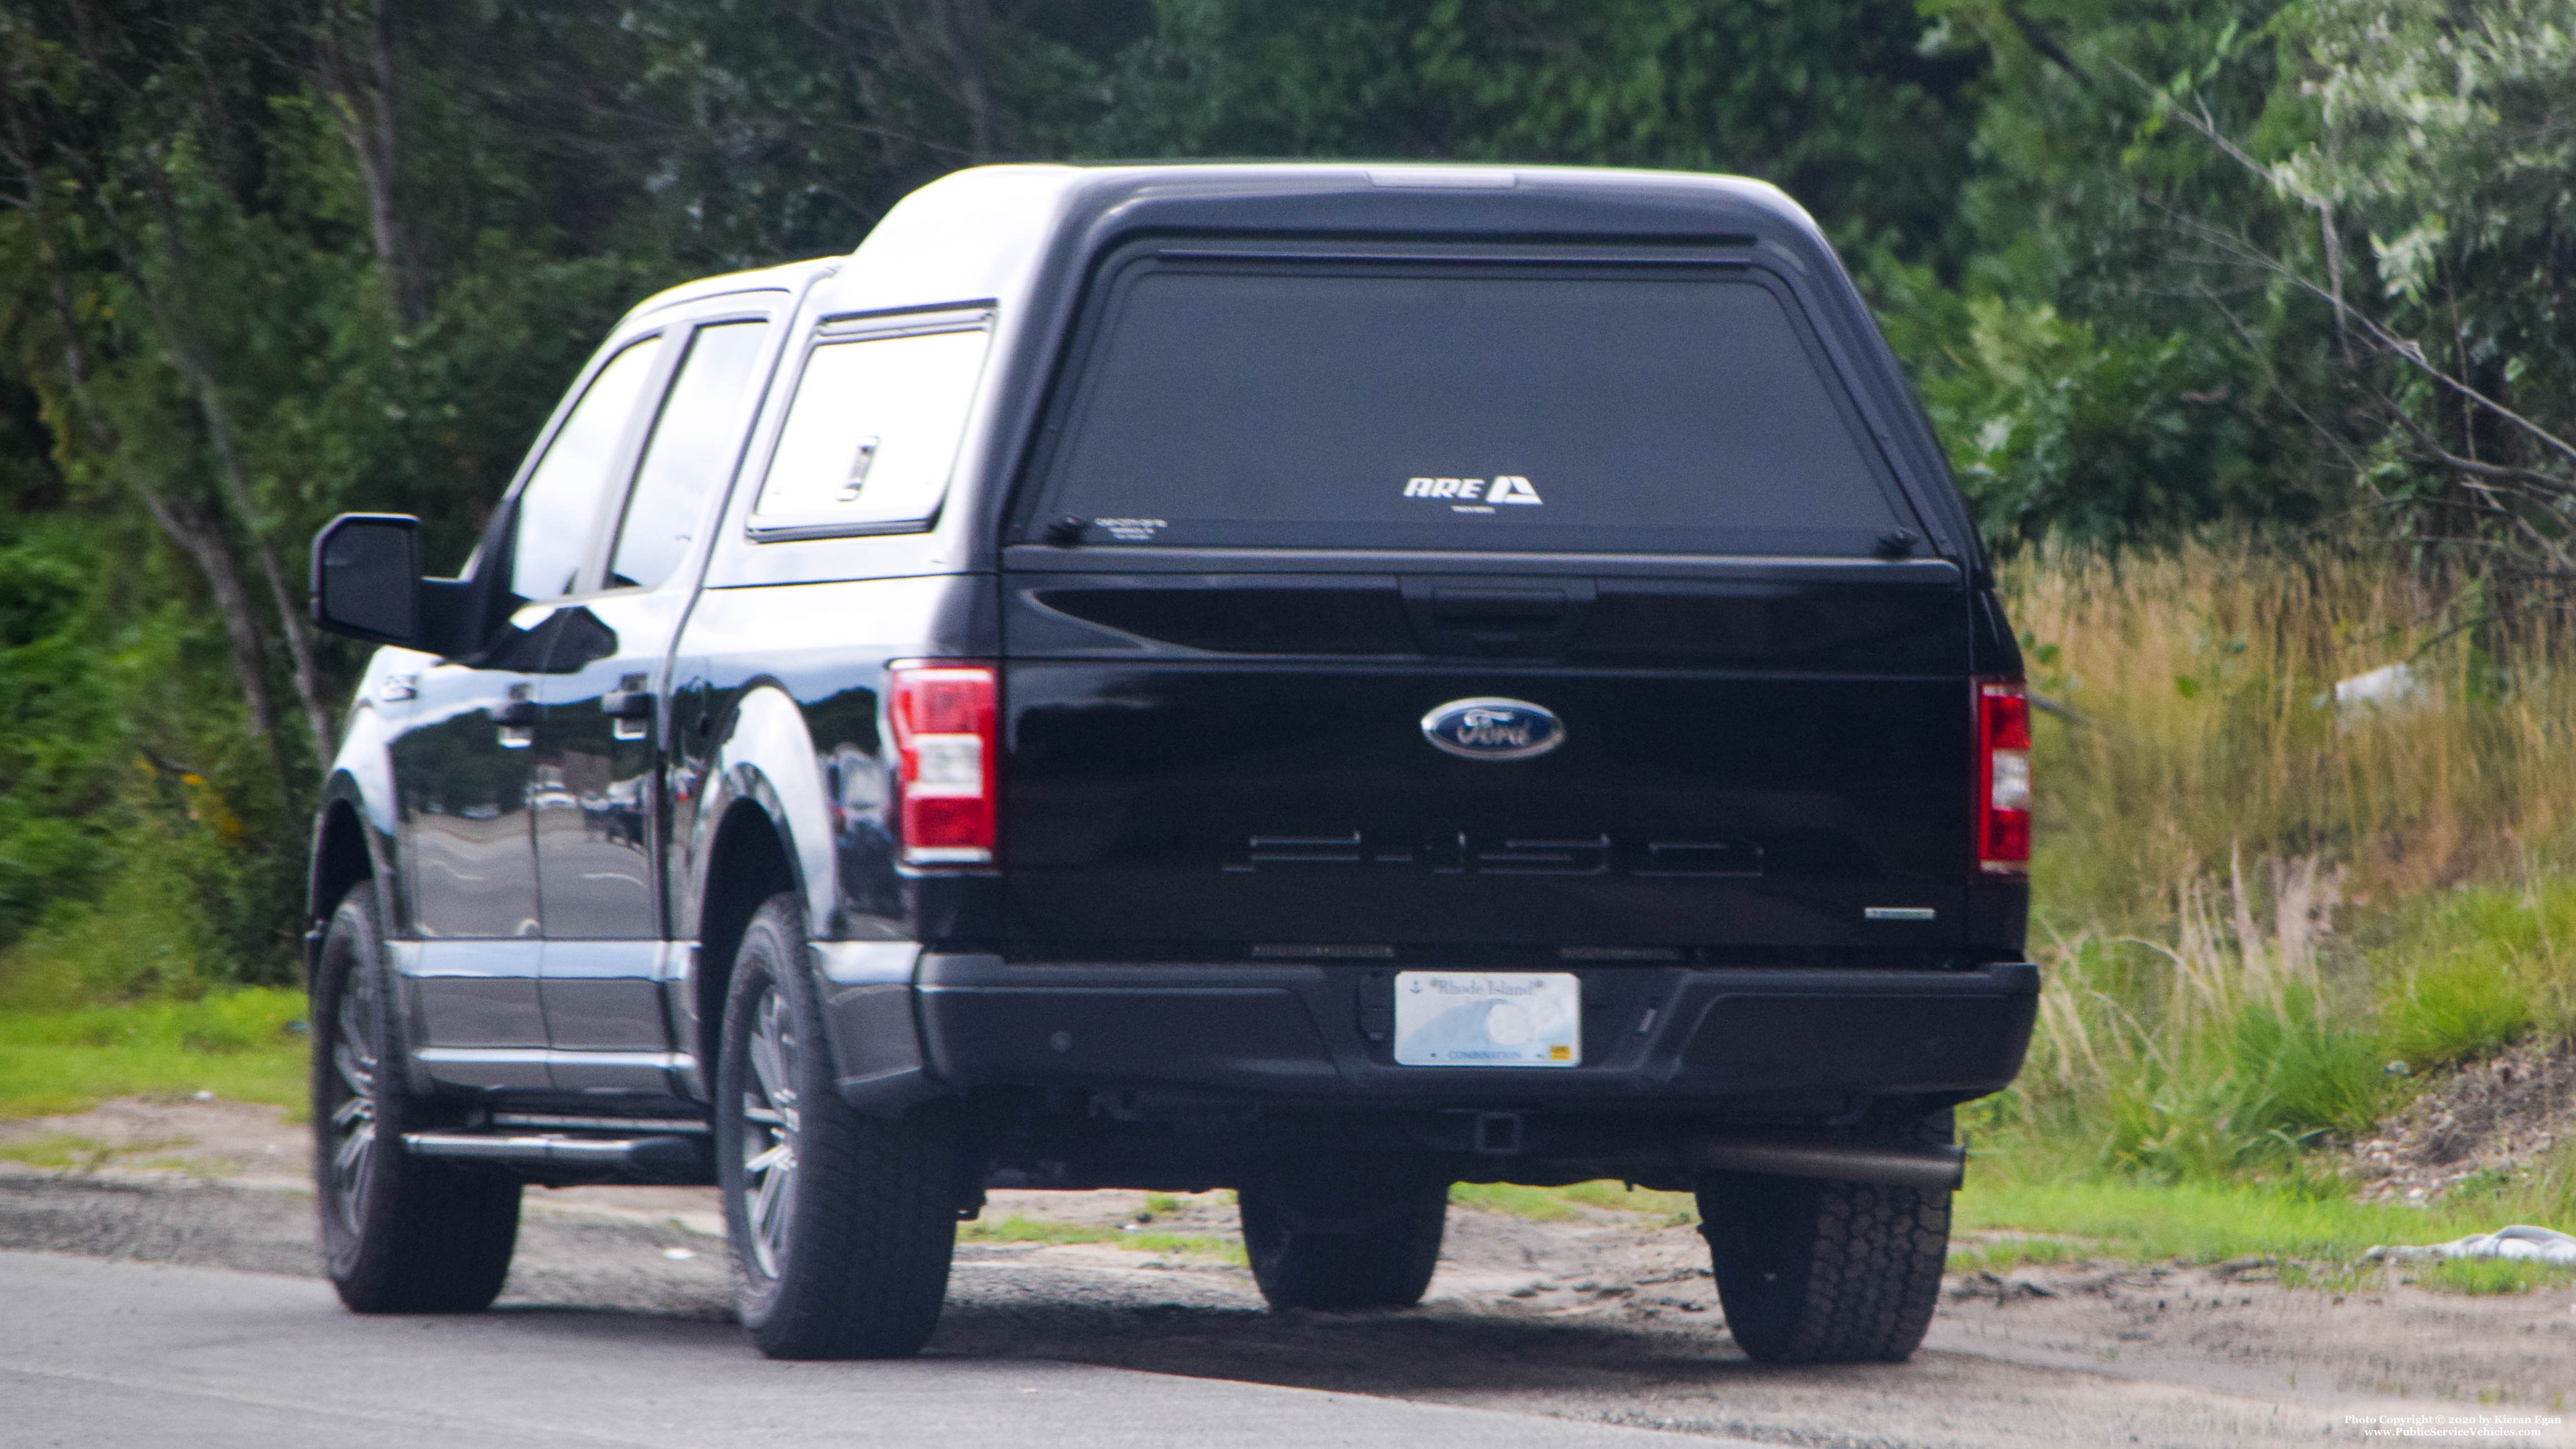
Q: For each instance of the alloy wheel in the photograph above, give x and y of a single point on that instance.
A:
(769, 1123)
(353, 1121)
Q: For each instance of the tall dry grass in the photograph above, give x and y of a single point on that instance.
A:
(2247, 895)
(2207, 676)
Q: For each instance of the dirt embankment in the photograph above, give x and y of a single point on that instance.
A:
(1606, 1316)
(2489, 1121)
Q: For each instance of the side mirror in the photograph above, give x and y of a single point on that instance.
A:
(366, 578)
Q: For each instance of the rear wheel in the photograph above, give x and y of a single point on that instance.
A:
(1811, 1271)
(1343, 1239)
(841, 1225)
(400, 1234)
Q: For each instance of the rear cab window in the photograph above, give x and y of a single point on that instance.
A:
(1438, 404)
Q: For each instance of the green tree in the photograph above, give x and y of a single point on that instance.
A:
(1856, 107)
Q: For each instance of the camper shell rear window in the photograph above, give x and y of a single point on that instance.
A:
(1219, 401)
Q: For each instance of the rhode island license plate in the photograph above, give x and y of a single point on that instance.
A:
(1488, 1019)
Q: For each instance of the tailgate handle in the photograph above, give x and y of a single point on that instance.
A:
(1500, 617)
(1497, 608)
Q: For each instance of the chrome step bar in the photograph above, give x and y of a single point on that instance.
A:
(1935, 1169)
(553, 1149)
(558, 1122)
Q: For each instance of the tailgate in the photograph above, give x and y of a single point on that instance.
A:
(1757, 759)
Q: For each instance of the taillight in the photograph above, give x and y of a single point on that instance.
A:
(946, 743)
(2003, 777)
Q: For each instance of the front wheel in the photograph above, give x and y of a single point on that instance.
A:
(399, 1234)
(1812, 1271)
(841, 1225)
(1343, 1239)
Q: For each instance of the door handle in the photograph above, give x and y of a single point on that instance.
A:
(630, 713)
(516, 718)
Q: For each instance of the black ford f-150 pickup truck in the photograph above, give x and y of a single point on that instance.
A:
(1324, 680)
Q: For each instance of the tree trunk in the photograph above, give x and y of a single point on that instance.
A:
(290, 616)
(203, 541)
(199, 537)
(367, 122)
(306, 669)
(196, 536)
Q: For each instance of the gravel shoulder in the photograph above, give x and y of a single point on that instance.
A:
(1608, 1318)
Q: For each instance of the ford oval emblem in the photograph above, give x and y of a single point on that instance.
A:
(1493, 729)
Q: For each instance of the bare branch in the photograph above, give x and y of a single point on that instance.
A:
(2405, 349)
(2046, 44)
(2434, 455)
(2272, 382)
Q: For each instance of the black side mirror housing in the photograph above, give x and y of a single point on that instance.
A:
(366, 578)
(367, 584)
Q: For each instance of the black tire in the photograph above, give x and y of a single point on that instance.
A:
(1811, 1271)
(400, 1234)
(1343, 1239)
(842, 1225)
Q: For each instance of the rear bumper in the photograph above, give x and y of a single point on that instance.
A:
(1316, 1035)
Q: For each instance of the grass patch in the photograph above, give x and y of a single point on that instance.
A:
(1019, 1229)
(69, 1153)
(1566, 1204)
(1513, 1200)
(2469, 971)
(2206, 1222)
(1672, 1207)
(2005, 1254)
(2492, 1275)
(1536, 1204)
(56, 1149)
(1186, 1245)
(236, 1045)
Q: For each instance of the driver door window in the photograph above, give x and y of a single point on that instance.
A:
(691, 454)
(558, 510)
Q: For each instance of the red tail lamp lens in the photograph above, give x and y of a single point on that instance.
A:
(2003, 801)
(946, 750)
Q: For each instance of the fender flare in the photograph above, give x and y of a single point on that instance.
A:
(361, 787)
(765, 755)
(766, 758)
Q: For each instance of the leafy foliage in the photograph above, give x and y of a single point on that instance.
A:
(2316, 256)
(2152, 267)
(264, 262)
(1852, 105)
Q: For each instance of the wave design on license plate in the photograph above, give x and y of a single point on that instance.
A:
(1488, 1019)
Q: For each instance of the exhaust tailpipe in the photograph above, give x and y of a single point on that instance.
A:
(1934, 1169)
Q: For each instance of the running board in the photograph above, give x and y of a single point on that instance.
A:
(1934, 1169)
(637, 1126)
(657, 1153)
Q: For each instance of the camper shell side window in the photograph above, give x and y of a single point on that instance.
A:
(874, 420)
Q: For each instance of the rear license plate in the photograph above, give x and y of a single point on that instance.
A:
(1488, 1019)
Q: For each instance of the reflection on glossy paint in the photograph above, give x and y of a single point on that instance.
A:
(812, 645)
(463, 794)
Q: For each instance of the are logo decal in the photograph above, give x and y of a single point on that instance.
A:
(1476, 495)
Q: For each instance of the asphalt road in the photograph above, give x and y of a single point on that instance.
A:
(614, 1324)
(136, 1356)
